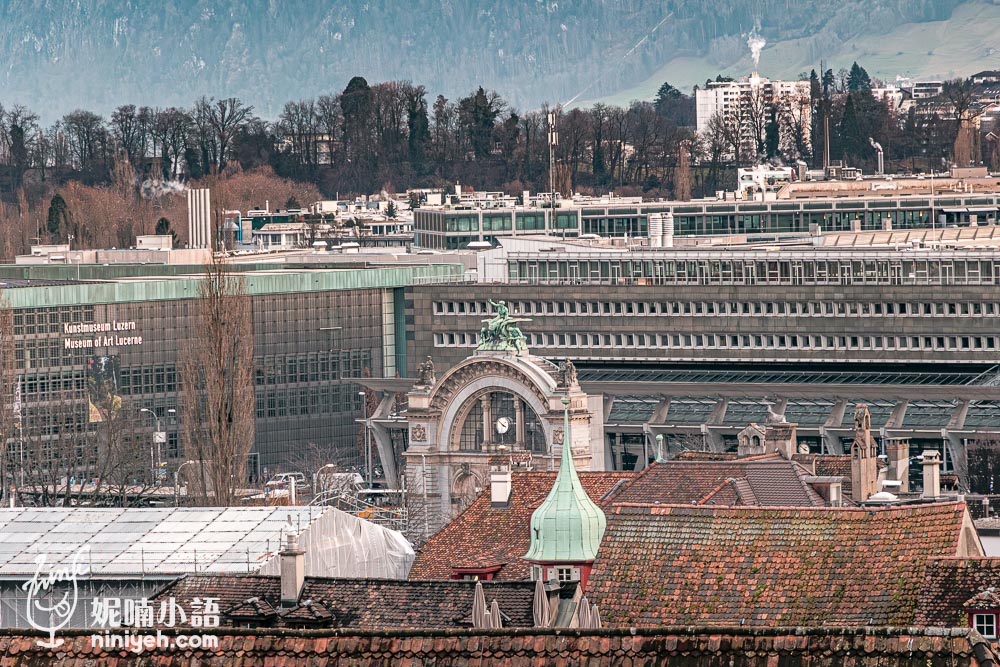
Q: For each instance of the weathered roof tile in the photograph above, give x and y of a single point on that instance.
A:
(769, 566)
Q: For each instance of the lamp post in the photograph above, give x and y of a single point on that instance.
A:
(318, 477)
(159, 437)
(331, 331)
(368, 442)
(177, 476)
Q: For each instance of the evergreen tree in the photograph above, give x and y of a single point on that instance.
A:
(852, 137)
(815, 88)
(478, 113)
(858, 79)
(829, 82)
(665, 97)
(163, 228)
(390, 210)
(58, 215)
(772, 134)
(419, 135)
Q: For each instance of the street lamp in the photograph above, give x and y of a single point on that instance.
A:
(159, 437)
(368, 442)
(317, 478)
(177, 476)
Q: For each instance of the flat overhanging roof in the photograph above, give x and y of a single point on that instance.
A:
(761, 390)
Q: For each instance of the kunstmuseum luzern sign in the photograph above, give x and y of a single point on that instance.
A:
(111, 339)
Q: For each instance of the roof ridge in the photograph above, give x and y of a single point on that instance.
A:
(745, 509)
(711, 493)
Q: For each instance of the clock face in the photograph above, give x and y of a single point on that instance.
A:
(503, 425)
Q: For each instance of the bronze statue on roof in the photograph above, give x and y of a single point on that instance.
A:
(501, 332)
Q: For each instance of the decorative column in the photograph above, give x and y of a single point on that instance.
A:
(484, 403)
(520, 434)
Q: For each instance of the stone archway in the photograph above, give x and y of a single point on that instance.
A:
(528, 390)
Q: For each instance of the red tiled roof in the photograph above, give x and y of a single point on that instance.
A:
(767, 479)
(735, 647)
(988, 599)
(769, 566)
(484, 534)
(360, 603)
(693, 455)
(949, 583)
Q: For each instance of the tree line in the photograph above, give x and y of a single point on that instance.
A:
(393, 135)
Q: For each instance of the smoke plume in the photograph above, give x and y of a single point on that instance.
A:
(152, 189)
(756, 44)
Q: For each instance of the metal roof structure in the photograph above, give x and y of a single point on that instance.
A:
(168, 287)
(118, 543)
(763, 376)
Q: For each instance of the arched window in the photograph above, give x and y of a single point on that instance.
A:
(493, 420)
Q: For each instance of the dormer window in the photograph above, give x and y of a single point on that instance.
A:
(982, 610)
(986, 625)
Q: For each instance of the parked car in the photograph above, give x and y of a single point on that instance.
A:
(284, 481)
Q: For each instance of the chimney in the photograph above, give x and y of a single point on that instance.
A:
(500, 480)
(835, 494)
(932, 474)
(864, 457)
(293, 571)
(829, 488)
(898, 453)
(781, 437)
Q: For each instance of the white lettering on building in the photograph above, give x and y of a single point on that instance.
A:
(99, 341)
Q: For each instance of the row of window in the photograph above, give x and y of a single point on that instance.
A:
(49, 320)
(308, 401)
(908, 270)
(314, 367)
(805, 308)
(741, 341)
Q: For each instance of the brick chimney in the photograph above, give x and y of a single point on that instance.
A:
(864, 457)
(898, 453)
(293, 571)
(932, 474)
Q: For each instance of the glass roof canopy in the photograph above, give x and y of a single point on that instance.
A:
(163, 542)
(820, 377)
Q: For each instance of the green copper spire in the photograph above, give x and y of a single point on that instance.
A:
(568, 525)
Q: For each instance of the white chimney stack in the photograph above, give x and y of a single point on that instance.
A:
(932, 474)
(293, 571)
(668, 230)
(655, 230)
(500, 480)
(199, 218)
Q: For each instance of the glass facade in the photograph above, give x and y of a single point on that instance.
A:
(313, 331)
(435, 228)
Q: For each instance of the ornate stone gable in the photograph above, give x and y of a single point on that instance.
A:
(465, 374)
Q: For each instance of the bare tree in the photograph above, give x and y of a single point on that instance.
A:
(217, 375)
(959, 94)
(10, 392)
(226, 118)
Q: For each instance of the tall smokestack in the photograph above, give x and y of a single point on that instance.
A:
(199, 218)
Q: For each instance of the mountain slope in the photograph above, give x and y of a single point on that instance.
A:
(968, 42)
(56, 55)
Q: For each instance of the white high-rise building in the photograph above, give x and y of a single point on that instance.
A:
(747, 105)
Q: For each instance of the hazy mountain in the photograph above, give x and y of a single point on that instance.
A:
(58, 55)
